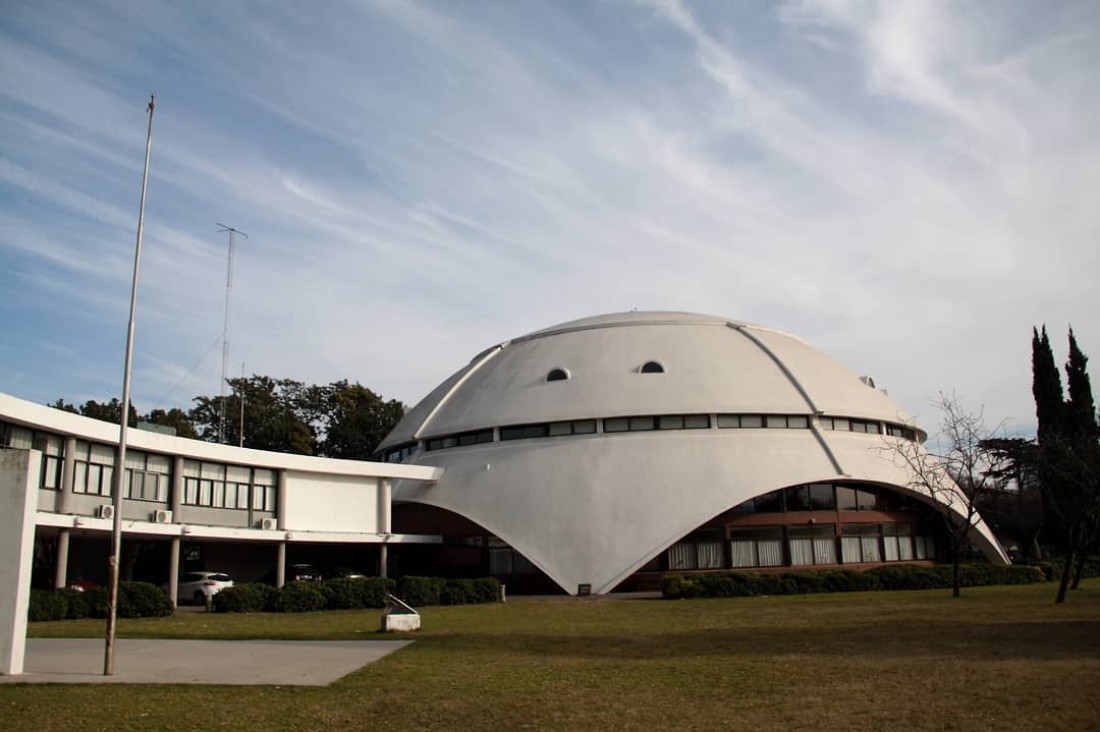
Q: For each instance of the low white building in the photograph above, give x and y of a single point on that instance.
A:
(187, 502)
(600, 450)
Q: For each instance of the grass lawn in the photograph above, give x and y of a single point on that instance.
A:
(1004, 658)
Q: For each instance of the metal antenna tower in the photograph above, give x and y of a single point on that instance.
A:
(222, 228)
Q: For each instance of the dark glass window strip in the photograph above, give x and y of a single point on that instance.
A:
(895, 430)
(578, 427)
(464, 439)
(400, 453)
(663, 422)
(770, 421)
(847, 424)
(524, 431)
(640, 423)
(825, 497)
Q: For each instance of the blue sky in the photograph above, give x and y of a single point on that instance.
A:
(908, 186)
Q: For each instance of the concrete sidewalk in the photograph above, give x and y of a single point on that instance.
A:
(140, 661)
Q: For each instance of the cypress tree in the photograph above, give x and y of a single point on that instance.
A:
(1050, 411)
(1084, 431)
(1069, 451)
(1046, 387)
(1082, 407)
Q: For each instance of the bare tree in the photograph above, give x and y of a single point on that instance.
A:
(954, 468)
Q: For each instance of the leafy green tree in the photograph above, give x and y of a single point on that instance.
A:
(1015, 508)
(64, 406)
(339, 420)
(355, 420)
(271, 416)
(108, 411)
(175, 418)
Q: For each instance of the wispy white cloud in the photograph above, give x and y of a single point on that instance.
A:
(419, 181)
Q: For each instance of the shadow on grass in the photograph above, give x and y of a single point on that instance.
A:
(972, 640)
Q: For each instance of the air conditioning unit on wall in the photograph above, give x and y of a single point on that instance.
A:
(106, 511)
(162, 517)
(269, 524)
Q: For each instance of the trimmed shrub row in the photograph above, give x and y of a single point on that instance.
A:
(347, 593)
(135, 600)
(435, 591)
(1052, 568)
(143, 600)
(894, 577)
(246, 597)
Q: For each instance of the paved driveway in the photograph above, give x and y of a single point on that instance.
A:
(289, 663)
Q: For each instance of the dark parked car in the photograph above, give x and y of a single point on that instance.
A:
(303, 573)
(346, 573)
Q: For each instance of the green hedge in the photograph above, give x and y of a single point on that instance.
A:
(352, 593)
(1052, 568)
(246, 597)
(47, 605)
(297, 597)
(419, 591)
(79, 604)
(470, 591)
(891, 577)
(135, 600)
(142, 600)
(95, 602)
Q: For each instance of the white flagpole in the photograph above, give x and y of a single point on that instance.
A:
(120, 461)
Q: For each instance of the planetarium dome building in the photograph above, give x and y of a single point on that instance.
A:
(622, 446)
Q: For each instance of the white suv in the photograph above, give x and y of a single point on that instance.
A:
(199, 587)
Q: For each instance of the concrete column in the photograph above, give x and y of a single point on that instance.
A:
(385, 506)
(61, 571)
(385, 523)
(174, 571)
(68, 469)
(280, 564)
(280, 501)
(175, 498)
(19, 475)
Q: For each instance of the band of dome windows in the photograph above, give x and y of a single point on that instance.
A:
(648, 423)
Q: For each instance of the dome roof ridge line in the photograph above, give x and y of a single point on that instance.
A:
(779, 363)
(821, 441)
(487, 355)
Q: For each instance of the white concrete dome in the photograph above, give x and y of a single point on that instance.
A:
(592, 446)
(710, 364)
